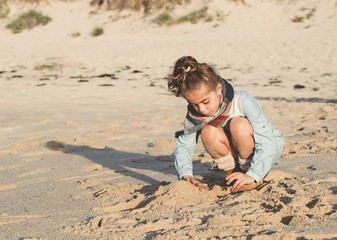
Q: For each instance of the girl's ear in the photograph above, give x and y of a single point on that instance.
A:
(219, 89)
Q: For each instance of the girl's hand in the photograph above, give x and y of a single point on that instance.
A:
(195, 182)
(241, 179)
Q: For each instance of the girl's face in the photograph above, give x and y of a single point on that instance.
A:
(205, 101)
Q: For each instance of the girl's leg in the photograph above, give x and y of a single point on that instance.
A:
(242, 137)
(217, 143)
(240, 143)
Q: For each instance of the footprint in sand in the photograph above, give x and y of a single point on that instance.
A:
(8, 187)
(37, 171)
(6, 219)
(11, 167)
(30, 159)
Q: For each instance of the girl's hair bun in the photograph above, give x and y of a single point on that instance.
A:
(187, 64)
(188, 74)
(184, 66)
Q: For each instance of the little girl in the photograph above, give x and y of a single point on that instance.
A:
(232, 126)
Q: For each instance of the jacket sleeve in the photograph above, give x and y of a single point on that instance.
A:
(267, 150)
(183, 153)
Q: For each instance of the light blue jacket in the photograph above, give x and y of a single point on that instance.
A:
(269, 141)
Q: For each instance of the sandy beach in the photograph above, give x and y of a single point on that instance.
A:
(87, 123)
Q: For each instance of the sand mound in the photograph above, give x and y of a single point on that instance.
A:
(183, 194)
(280, 210)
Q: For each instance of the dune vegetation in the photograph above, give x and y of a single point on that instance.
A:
(193, 17)
(135, 5)
(28, 20)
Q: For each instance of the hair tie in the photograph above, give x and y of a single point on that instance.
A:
(188, 69)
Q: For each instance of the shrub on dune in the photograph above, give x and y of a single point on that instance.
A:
(163, 18)
(195, 16)
(28, 20)
(192, 17)
(97, 32)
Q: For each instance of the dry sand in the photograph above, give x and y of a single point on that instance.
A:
(86, 147)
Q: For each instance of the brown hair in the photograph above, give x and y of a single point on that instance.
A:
(188, 74)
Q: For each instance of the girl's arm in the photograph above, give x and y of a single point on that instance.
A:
(183, 153)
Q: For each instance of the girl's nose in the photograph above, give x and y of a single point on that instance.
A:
(202, 109)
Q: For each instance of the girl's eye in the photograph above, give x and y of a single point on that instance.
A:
(206, 102)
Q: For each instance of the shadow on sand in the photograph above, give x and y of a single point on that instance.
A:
(145, 168)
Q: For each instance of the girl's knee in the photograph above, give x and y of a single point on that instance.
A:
(210, 135)
(215, 141)
(207, 134)
(240, 125)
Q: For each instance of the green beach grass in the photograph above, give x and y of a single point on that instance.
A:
(28, 20)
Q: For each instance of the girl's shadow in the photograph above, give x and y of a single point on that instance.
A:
(145, 168)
